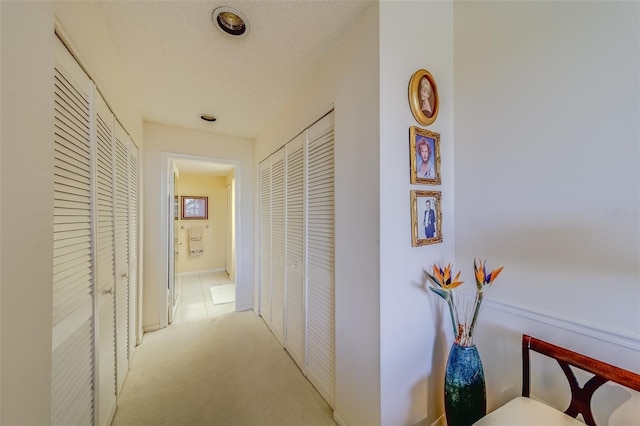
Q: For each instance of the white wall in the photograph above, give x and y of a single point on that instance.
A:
(161, 139)
(348, 79)
(547, 173)
(26, 212)
(415, 334)
(81, 24)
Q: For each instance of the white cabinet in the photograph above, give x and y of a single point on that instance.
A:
(297, 251)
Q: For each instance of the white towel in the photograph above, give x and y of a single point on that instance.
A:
(196, 247)
(195, 232)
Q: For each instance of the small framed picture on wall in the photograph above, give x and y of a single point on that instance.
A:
(424, 148)
(426, 218)
(195, 207)
(423, 97)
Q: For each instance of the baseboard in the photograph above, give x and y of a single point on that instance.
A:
(338, 419)
(202, 271)
(231, 277)
(440, 421)
(150, 328)
(597, 331)
(244, 308)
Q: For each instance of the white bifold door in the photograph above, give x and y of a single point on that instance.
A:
(122, 218)
(106, 320)
(277, 244)
(95, 256)
(73, 331)
(265, 240)
(297, 251)
(295, 322)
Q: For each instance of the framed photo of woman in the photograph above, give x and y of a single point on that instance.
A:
(423, 97)
(426, 218)
(424, 147)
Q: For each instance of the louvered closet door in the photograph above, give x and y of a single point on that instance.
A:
(73, 273)
(121, 210)
(105, 272)
(277, 242)
(265, 240)
(295, 335)
(133, 246)
(320, 258)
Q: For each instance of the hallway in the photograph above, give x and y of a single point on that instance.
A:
(223, 370)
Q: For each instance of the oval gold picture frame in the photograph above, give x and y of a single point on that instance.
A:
(423, 97)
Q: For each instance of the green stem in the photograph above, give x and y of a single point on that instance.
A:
(453, 314)
(476, 311)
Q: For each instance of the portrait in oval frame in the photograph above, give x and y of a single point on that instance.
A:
(423, 97)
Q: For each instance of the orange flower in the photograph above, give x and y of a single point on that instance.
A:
(482, 278)
(442, 277)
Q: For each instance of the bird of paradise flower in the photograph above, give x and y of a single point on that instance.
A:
(444, 284)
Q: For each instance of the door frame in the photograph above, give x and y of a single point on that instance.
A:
(171, 273)
(166, 209)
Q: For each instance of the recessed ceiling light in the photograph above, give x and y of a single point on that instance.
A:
(230, 21)
(208, 117)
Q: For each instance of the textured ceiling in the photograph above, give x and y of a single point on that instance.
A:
(184, 66)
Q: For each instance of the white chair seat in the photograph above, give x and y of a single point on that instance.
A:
(524, 411)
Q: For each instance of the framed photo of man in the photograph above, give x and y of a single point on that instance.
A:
(424, 147)
(426, 218)
(423, 97)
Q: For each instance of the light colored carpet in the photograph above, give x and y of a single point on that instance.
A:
(226, 370)
(222, 294)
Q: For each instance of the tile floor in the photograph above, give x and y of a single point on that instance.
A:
(194, 299)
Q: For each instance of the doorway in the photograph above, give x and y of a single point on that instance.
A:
(201, 238)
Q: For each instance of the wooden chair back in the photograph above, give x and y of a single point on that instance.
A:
(580, 396)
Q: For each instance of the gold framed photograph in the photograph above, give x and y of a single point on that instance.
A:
(423, 97)
(426, 218)
(424, 147)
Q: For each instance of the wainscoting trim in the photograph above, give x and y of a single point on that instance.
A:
(606, 334)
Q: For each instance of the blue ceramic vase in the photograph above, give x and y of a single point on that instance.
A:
(465, 398)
